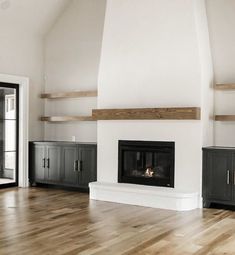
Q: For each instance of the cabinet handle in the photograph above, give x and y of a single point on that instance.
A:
(79, 165)
(234, 178)
(228, 177)
(75, 166)
(44, 163)
(48, 163)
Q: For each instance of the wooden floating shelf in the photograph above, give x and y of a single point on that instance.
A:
(224, 117)
(72, 94)
(66, 118)
(225, 86)
(183, 113)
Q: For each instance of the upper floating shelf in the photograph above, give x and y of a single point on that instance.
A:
(224, 117)
(72, 94)
(225, 86)
(66, 118)
(174, 113)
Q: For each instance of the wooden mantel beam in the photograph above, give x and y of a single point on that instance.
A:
(174, 113)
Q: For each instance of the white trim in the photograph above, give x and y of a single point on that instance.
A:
(23, 124)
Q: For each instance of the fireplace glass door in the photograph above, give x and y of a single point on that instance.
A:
(148, 163)
(8, 134)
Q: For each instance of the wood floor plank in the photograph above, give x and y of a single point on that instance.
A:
(44, 221)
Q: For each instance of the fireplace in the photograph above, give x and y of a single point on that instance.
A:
(146, 163)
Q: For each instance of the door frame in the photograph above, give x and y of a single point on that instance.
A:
(16, 174)
(23, 141)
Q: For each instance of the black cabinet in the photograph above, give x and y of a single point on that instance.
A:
(86, 153)
(218, 176)
(52, 166)
(45, 163)
(69, 172)
(63, 163)
(39, 162)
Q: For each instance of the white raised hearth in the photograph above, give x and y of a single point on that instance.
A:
(156, 197)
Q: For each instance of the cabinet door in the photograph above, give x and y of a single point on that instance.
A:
(233, 176)
(53, 163)
(39, 154)
(219, 178)
(87, 165)
(69, 172)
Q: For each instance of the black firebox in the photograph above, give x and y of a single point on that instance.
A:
(147, 163)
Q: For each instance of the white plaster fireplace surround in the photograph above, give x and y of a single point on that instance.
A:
(153, 55)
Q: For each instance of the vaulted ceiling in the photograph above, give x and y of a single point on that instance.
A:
(30, 16)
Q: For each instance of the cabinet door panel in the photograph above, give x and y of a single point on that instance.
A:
(39, 162)
(87, 157)
(220, 176)
(53, 165)
(233, 176)
(69, 173)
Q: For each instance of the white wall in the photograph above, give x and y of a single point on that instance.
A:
(221, 26)
(22, 54)
(72, 56)
(23, 24)
(151, 57)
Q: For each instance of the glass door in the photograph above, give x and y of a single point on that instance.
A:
(9, 134)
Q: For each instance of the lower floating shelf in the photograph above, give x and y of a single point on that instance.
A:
(230, 86)
(224, 117)
(66, 118)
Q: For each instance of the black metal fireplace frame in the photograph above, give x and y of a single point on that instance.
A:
(146, 146)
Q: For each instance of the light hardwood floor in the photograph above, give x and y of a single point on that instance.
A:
(47, 221)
